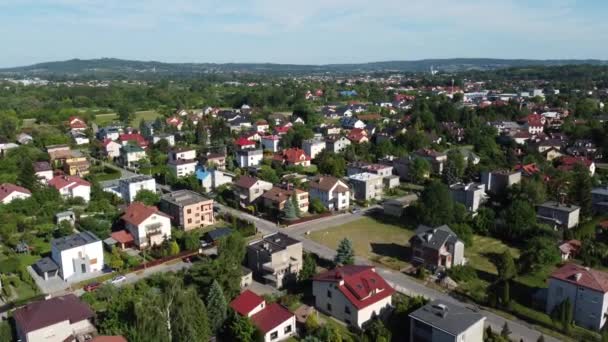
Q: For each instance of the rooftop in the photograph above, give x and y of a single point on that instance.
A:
(273, 243)
(582, 276)
(246, 302)
(136, 179)
(451, 318)
(76, 240)
(41, 314)
(364, 176)
(560, 206)
(183, 197)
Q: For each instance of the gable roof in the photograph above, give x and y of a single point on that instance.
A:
(434, 238)
(361, 285)
(60, 182)
(292, 155)
(271, 317)
(246, 182)
(242, 141)
(7, 188)
(43, 313)
(582, 276)
(138, 212)
(246, 302)
(326, 183)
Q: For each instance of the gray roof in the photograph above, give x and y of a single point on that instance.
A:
(135, 179)
(76, 240)
(405, 200)
(45, 264)
(218, 233)
(560, 207)
(600, 191)
(183, 197)
(273, 242)
(435, 238)
(451, 318)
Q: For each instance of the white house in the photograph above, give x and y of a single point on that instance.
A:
(72, 187)
(10, 192)
(129, 187)
(77, 255)
(587, 290)
(57, 319)
(440, 321)
(111, 148)
(148, 225)
(131, 154)
(312, 147)
(352, 294)
(274, 321)
(271, 143)
(332, 192)
(249, 158)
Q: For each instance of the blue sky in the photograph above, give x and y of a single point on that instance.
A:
(302, 32)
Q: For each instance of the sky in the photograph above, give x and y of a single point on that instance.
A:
(300, 32)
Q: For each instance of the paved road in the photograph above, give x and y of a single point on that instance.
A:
(400, 281)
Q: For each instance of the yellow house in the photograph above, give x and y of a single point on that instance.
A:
(76, 166)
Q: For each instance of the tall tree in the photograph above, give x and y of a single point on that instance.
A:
(506, 266)
(345, 255)
(436, 206)
(296, 203)
(147, 197)
(27, 174)
(580, 189)
(289, 211)
(309, 267)
(419, 170)
(241, 329)
(216, 307)
(190, 318)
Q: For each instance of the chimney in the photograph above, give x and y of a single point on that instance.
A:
(578, 276)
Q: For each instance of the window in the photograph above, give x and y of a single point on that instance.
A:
(287, 329)
(188, 211)
(93, 261)
(83, 268)
(328, 294)
(346, 310)
(328, 307)
(274, 335)
(189, 220)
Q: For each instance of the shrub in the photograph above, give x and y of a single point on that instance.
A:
(464, 273)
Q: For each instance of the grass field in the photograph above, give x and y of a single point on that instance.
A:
(147, 115)
(482, 251)
(372, 239)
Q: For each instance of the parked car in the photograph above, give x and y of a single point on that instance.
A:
(92, 287)
(118, 279)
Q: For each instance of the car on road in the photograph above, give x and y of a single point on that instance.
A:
(356, 210)
(91, 287)
(118, 279)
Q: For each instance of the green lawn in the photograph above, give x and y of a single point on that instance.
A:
(372, 239)
(482, 251)
(147, 115)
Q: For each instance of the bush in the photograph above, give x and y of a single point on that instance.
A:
(464, 273)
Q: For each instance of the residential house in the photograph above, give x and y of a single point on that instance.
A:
(133, 139)
(396, 207)
(243, 143)
(76, 165)
(129, 187)
(58, 153)
(437, 247)
(78, 255)
(10, 192)
(358, 136)
(213, 237)
(366, 186)
(148, 225)
(569, 249)
(587, 291)
(72, 187)
(441, 321)
(436, 159)
(599, 199)
(559, 215)
(77, 124)
(276, 259)
(276, 198)
(352, 294)
(110, 148)
(274, 321)
(552, 154)
(535, 123)
(249, 189)
(182, 162)
(176, 122)
(352, 122)
(336, 144)
(211, 178)
(402, 167)
(24, 139)
(58, 319)
(331, 191)
(496, 182)
(262, 126)
(471, 195)
(44, 171)
(271, 143)
(282, 130)
(293, 156)
(131, 154)
(385, 171)
(187, 209)
(109, 132)
(249, 158)
(215, 160)
(169, 138)
(312, 147)
(548, 144)
(567, 163)
(239, 124)
(80, 138)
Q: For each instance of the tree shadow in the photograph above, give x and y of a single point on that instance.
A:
(392, 250)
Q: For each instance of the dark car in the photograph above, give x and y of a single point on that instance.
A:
(92, 287)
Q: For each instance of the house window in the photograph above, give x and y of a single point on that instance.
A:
(346, 310)
(328, 294)
(93, 261)
(188, 211)
(274, 335)
(328, 307)
(287, 329)
(189, 220)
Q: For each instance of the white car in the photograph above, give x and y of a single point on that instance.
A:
(118, 279)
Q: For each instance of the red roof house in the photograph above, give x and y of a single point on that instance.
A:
(175, 121)
(244, 143)
(147, 224)
(10, 192)
(527, 169)
(77, 123)
(569, 249)
(135, 138)
(353, 294)
(567, 163)
(358, 135)
(293, 156)
(274, 320)
(280, 130)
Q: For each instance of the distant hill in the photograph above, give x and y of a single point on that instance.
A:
(112, 66)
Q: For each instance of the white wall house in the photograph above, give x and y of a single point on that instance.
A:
(332, 192)
(72, 187)
(129, 187)
(148, 225)
(182, 167)
(274, 321)
(111, 148)
(312, 147)
(249, 158)
(587, 290)
(271, 143)
(77, 255)
(10, 192)
(352, 294)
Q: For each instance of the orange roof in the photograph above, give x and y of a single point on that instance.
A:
(582, 276)
(138, 212)
(122, 236)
